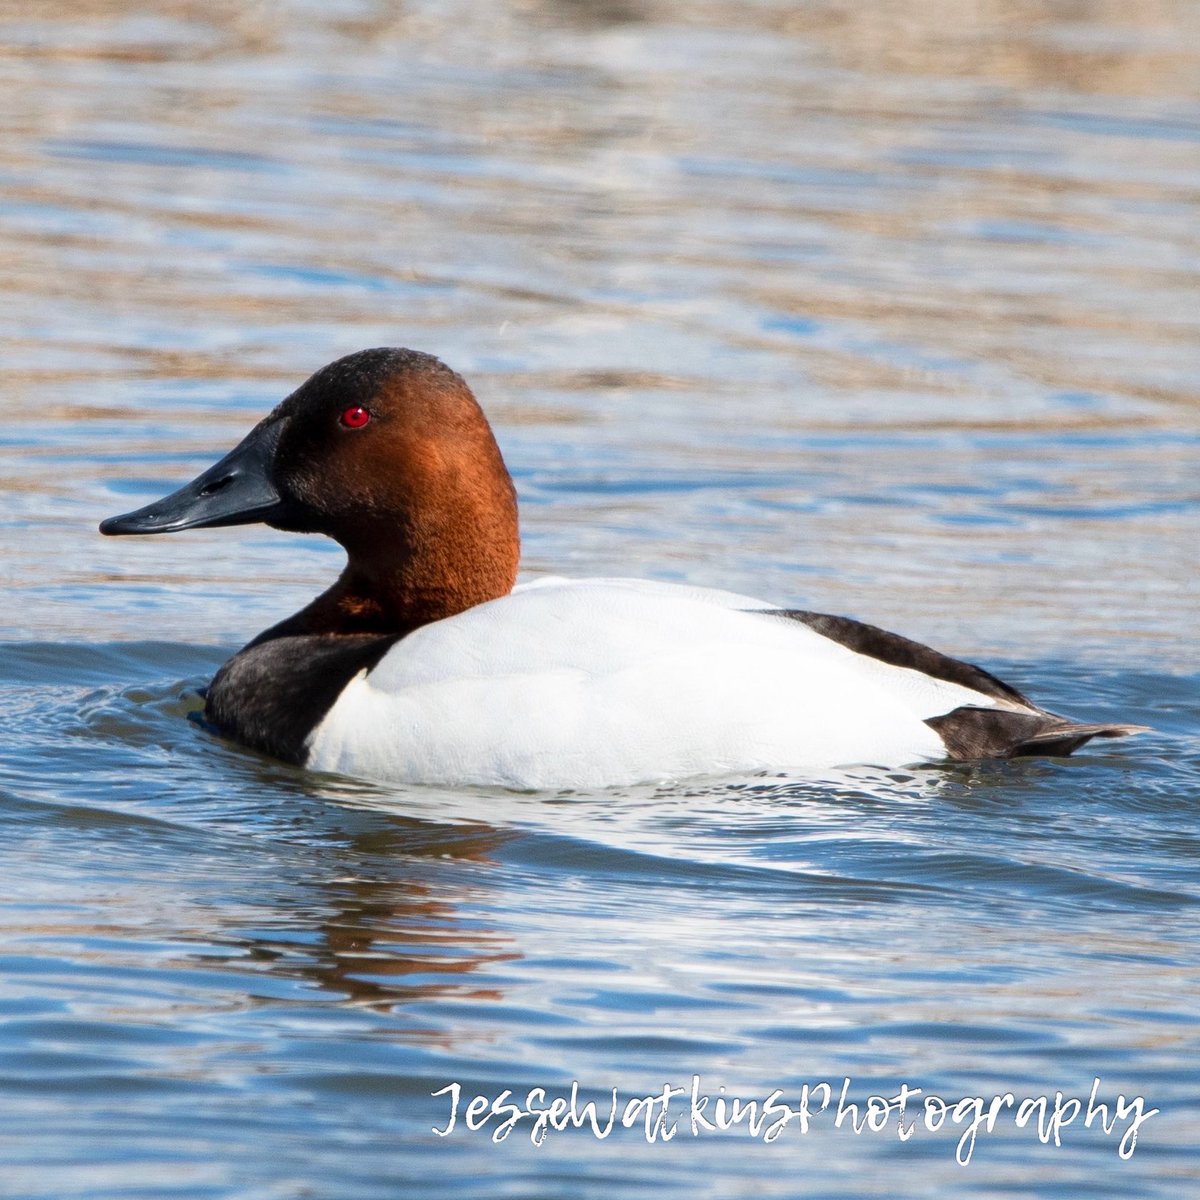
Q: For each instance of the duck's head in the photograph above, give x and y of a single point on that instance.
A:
(386, 451)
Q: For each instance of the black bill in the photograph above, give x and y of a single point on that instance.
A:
(238, 490)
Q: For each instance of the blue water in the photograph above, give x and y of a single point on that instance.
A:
(867, 311)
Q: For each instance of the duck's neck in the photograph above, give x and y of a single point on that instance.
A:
(400, 578)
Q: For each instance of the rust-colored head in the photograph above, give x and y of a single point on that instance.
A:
(388, 452)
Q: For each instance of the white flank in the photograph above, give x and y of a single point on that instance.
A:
(604, 682)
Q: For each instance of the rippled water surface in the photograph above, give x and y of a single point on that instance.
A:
(888, 310)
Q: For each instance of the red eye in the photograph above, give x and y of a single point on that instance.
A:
(356, 417)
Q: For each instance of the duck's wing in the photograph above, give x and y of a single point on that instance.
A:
(1012, 727)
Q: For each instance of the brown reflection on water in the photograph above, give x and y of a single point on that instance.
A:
(388, 939)
(1089, 46)
(162, 31)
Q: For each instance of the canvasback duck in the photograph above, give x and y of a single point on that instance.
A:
(424, 664)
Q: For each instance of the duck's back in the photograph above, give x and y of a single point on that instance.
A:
(604, 682)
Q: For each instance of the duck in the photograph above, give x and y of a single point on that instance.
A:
(426, 663)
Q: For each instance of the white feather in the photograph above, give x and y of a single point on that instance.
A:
(605, 682)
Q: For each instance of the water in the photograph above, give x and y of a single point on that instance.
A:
(888, 311)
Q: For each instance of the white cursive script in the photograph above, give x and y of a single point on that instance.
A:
(660, 1118)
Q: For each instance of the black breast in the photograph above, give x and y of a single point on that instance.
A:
(271, 695)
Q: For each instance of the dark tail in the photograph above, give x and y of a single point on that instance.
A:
(972, 733)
